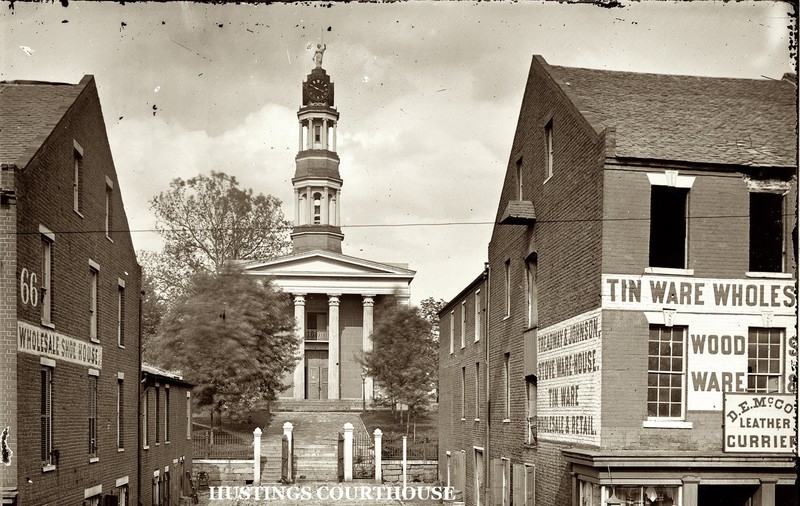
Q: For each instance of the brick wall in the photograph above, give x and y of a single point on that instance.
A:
(567, 237)
(45, 197)
(8, 330)
(458, 434)
(172, 453)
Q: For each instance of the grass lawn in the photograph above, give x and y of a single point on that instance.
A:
(425, 424)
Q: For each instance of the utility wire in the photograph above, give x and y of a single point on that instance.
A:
(381, 225)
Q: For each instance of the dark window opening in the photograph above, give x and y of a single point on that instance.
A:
(766, 232)
(668, 227)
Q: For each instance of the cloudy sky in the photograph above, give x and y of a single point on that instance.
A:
(428, 93)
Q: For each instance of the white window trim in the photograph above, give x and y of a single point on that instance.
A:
(77, 149)
(452, 330)
(664, 423)
(94, 331)
(463, 324)
(670, 178)
(549, 170)
(769, 275)
(121, 481)
(477, 315)
(670, 271)
(93, 491)
(47, 278)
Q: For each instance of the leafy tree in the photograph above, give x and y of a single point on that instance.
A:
(207, 221)
(403, 356)
(430, 308)
(233, 337)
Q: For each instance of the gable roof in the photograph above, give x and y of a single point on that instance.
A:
(29, 111)
(325, 263)
(693, 119)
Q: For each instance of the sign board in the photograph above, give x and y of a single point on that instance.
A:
(760, 423)
(655, 293)
(568, 379)
(49, 343)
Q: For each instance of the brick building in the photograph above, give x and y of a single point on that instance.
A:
(69, 337)
(641, 324)
(334, 294)
(166, 437)
(462, 389)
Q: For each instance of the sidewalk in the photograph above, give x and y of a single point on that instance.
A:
(321, 494)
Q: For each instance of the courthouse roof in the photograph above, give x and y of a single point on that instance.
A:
(692, 119)
(29, 111)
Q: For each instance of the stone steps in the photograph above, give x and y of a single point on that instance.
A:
(335, 405)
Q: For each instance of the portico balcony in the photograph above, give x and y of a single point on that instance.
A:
(316, 335)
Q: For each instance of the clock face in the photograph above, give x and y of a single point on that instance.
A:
(318, 89)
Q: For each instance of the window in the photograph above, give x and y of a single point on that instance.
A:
(77, 178)
(92, 415)
(166, 414)
(166, 486)
(93, 275)
(157, 414)
(452, 329)
(145, 418)
(46, 416)
(507, 287)
(519, 179)
(122, 494)
(548, 150)
(507, 385)
(506, 477)
(121, 313)
(665, 372)
(92, 501)
(766, 232)
(317, 133)
(120, 412)
(531, 273)
(463, 393)
(477, 315)
(463, 323)
(188, 415)
(47, 276)
(477, 390)
(668, 226)
(109, 207)
(156, 491)
(764, 360)
(531, 396)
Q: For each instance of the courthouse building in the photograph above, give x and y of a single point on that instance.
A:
(334, 294)
(69, 332)
(641, 326)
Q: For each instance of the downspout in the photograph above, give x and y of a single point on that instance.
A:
(139, 402)
(487, 458)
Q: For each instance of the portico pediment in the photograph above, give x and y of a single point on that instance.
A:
(321, 263)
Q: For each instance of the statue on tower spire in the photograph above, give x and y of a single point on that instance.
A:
(318, 54)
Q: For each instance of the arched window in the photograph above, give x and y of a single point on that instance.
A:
(317, 208)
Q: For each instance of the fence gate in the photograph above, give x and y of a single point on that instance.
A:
(340, 457)
(363, 456)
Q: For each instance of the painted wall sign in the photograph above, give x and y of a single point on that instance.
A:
(654, 293)
(568, 405)
(48, 343)
(760, 423)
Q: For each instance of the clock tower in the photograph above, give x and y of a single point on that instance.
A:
(317, 183)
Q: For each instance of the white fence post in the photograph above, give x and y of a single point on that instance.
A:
(378, 456)
(257, 457)
(287, 431)
(348, 451)
(405, 459)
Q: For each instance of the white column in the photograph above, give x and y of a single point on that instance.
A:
(339, 207)
(296, 206)
(348, 451)
(257, 457)
(378, 457)
(287, 431)
(334, 135)
(324, 137)
(300, 143)
(333, 346)
(324, 206)
(366, 343)
(300, 368)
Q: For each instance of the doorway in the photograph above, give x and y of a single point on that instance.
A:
(316, 374)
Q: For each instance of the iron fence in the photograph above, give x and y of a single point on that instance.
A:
(221, 446)
(363, 456)
(419, 448)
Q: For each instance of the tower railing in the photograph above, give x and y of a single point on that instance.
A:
(316, 335)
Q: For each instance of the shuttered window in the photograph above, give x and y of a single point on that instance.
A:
(92, 403)
(120, 414)
(158, 415)
(46, 445)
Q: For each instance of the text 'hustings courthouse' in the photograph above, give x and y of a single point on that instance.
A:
(632, 339)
